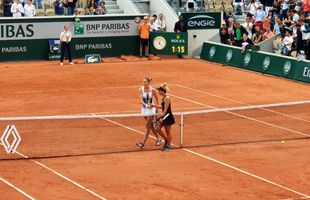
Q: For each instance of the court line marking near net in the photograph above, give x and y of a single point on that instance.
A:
(17, 189)
(243, 116)
(80, 89)
(218, 162)
(62, 176)
(240, 102)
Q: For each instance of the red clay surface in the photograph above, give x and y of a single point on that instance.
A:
(45, 88)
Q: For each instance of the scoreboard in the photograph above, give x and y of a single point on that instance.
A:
(168, 43)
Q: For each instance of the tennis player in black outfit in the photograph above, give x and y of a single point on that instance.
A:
(166, 117)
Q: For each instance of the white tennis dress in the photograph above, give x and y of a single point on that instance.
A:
(147, 98)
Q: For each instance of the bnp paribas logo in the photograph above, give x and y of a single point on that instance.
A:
(247, 59)
(229, 55)
(212, 52)
(266, 63)
(78, 29)
(287, 67)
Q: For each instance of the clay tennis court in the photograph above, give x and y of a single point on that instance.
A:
(226, 155)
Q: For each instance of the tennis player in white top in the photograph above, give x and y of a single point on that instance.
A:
(148, 95)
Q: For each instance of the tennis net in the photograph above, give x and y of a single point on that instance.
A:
(78, 135)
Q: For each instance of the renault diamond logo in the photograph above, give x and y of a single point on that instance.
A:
(10, 131)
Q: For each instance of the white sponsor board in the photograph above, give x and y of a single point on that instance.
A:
(44, 30)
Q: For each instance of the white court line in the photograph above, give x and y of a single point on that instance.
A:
(296, 198)
(80, 89)
(62, 176)
(16, 188)
(242, 103)
(245, 117)
(219, 162)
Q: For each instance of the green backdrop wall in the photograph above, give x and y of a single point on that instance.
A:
(266, 63)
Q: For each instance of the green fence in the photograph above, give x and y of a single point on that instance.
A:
(257, 61)
(28, 39)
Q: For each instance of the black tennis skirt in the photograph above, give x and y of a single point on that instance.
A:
(169, 120)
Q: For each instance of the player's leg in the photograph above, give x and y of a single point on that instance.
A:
(153, 122)
(69, 53)
(161, 133)
(168, 132)
(141, 47)
(147, 133)
(147, 49)
(62, 52)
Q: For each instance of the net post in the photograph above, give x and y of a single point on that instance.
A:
(181, 130)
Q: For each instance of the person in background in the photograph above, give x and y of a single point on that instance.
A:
(39, 4)
(271, 17)
(305, 35)
(231, 37)
(17, 9)
(224, 33)
(92, 11)
(7, 8)
(305, 4)
(252, 7)
(191, 6)
(268, 33)
(161, 23)
(144, 29)
(76, 13)
(268, 5)
(71, 6)
(99, 11)
(277, 26)
(295, 16)
(246, 43)
(153, 25)
(59, 6)
(30, 9)
(248, 26)
(288, 19)
(92, 3)
(180, 26)
(287, 43)
(257, 37)
(259, 16)
(238, 3)
(276, 8)
(65, 42)
(239, 31)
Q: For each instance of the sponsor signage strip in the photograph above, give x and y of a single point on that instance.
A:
(203, 20)
(107, 36)
(31, 31)
(257, 61)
